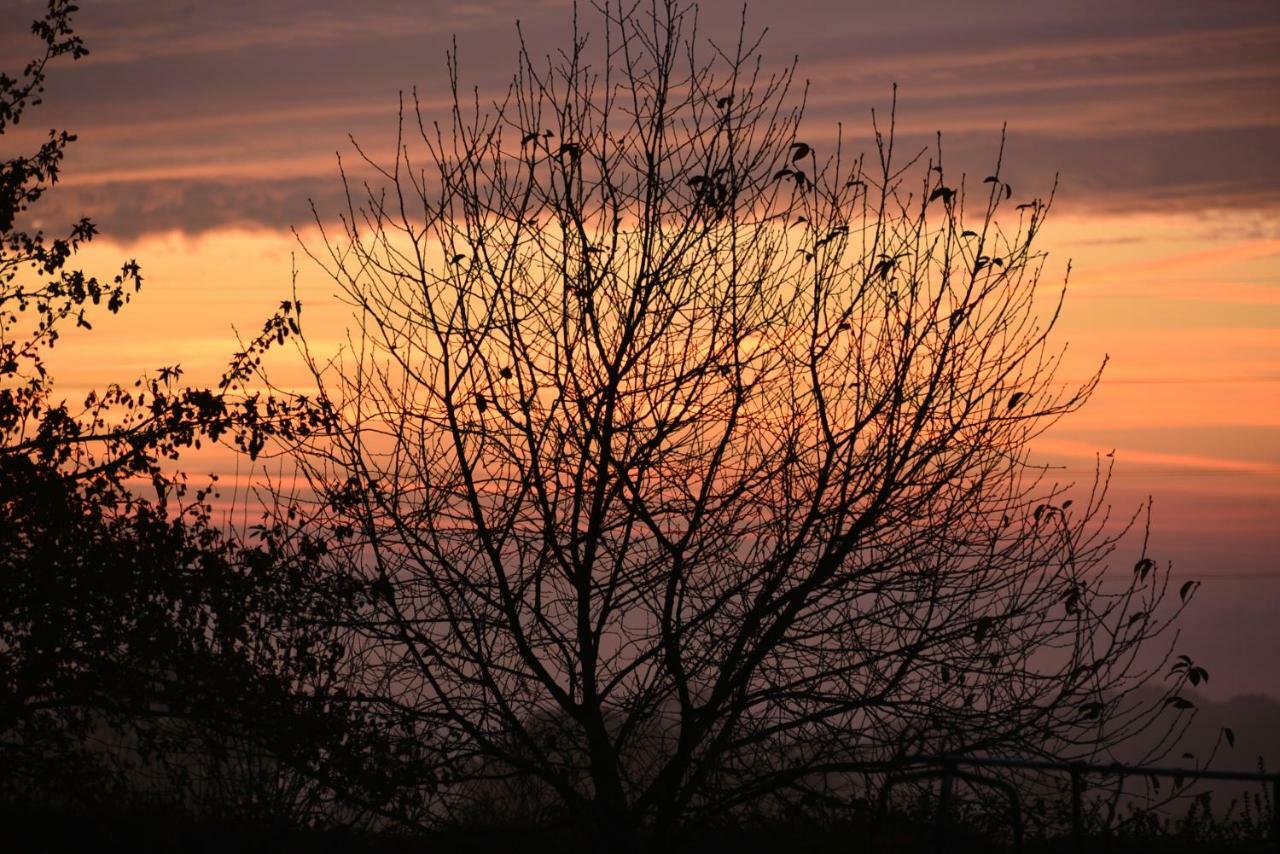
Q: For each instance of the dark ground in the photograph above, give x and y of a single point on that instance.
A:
(36, 832)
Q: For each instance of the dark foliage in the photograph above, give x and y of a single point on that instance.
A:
(141, 651)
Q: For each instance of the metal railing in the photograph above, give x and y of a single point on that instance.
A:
(951, 768)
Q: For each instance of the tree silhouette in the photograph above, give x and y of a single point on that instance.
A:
(124, 617)
(682, 459)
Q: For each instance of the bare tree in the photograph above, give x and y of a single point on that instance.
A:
(684, 463)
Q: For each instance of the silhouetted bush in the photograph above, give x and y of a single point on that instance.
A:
(143, 654)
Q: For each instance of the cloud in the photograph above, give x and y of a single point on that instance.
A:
(127, 211)
(1216, 257)
(239, 106)
(1181, 463)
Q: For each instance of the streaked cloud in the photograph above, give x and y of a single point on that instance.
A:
(181, 106)
(1162, 459)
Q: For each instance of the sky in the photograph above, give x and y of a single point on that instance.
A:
(205, 128)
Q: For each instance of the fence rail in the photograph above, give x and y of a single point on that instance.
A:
(951, 768)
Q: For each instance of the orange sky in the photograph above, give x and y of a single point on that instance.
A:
(205, 127)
